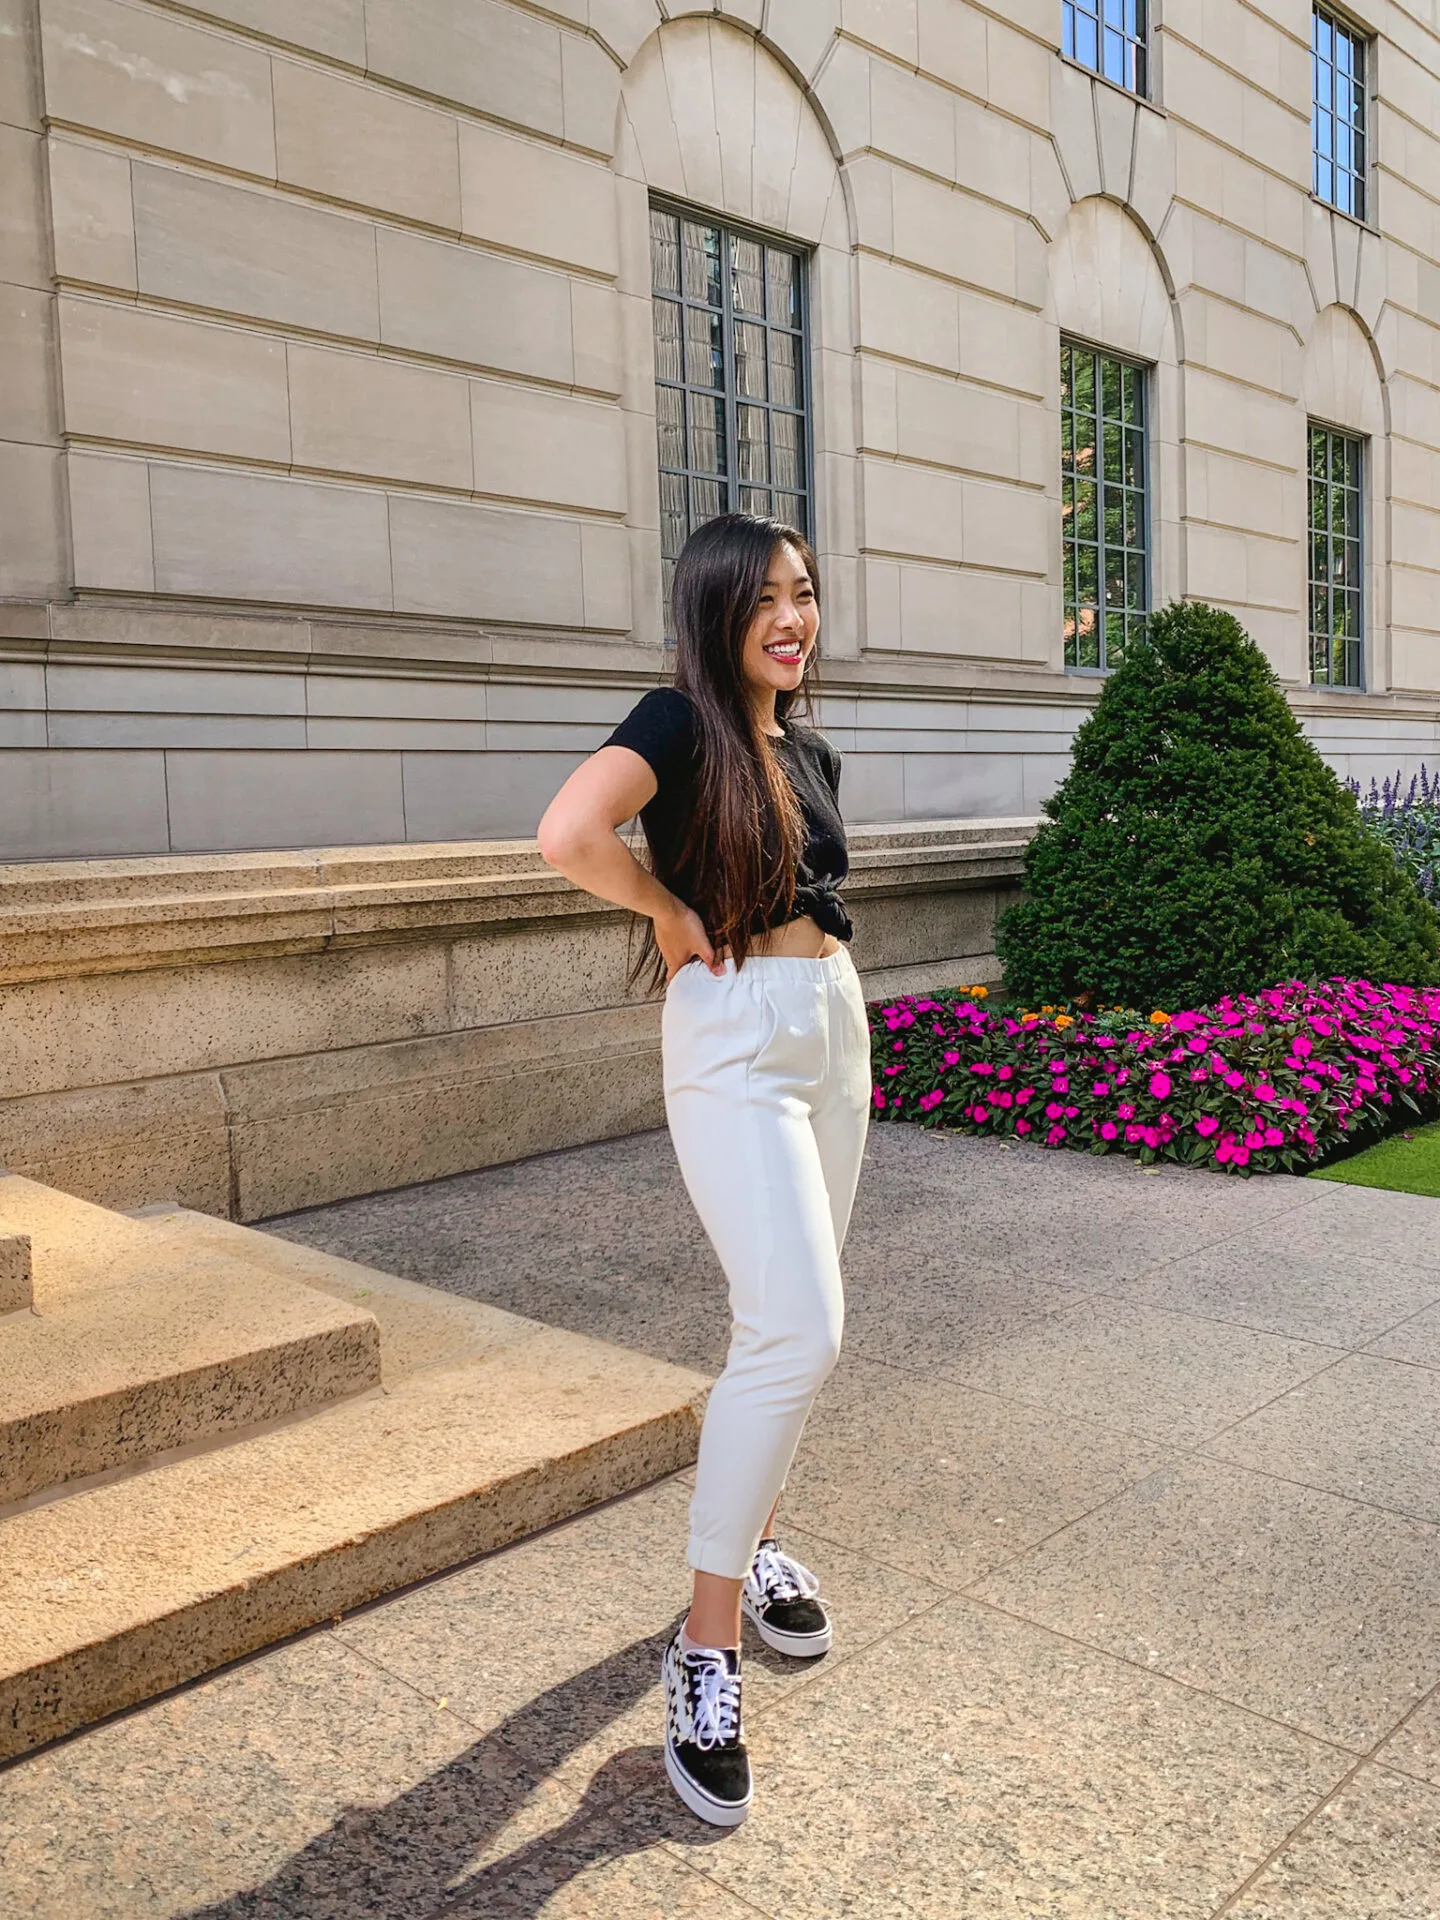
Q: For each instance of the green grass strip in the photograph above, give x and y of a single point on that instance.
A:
(1399, 1164)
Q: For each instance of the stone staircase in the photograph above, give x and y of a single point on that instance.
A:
(211, 1438)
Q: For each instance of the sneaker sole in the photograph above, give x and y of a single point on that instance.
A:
(716, 1813)
(799, 1646)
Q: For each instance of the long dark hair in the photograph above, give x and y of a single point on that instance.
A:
(746, 831)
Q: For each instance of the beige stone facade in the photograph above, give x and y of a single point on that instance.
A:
(329, 506)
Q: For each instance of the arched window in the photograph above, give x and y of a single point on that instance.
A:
(731, 383)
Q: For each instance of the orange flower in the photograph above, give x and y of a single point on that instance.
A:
(1063, 1020)
(1159, 1019)
(979, 993)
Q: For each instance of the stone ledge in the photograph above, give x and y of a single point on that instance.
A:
(386, 1014)
(95, 916)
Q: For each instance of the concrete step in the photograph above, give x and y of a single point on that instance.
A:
(116, 1593)
(109, 1378)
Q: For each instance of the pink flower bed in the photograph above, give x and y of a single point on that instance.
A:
(1260, 1085)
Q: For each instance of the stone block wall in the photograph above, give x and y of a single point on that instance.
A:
(249, 1034)
(328, 497)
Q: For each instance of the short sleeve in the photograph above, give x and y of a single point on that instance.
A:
(822, 754)
(661, 728)
(832, 767)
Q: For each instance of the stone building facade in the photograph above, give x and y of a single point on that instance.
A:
(331, 496)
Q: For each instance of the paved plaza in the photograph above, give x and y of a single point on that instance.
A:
(1126, 1495)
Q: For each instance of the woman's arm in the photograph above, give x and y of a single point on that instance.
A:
(579, 837)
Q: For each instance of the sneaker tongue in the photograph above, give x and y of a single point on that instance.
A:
(728, 1657)
(776, 1572)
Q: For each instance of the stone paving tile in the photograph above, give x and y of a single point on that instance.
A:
(586, 1219)
(647, 1309)
(946, 1307)
(1247, 1281)
(1317, 1611)
(1372, 1854)
(1185, 1195)
(1415, 1746)
(299, 1786)
(554, 1648)
(612, 1246)
(582, 1871)
(1367, 1428)
(1015, 1436)
(945, 1482)
(1080, 1237)
(1416, 1340)
(1172, 1377)
(971, 1767)
(1375, 1225)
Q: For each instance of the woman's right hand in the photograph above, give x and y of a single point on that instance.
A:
(681, 937)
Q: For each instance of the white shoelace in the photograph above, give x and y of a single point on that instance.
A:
(778, 1577)
(714, 1700)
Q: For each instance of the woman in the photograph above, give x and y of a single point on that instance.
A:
(766, 1063)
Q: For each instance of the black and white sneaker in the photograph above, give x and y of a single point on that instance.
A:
(705, 1754)
(783, 1599)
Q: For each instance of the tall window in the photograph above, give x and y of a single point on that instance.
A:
(1337, 589)
(730, 365)
(1102, 486)
(1108, 36)
(1338, 59)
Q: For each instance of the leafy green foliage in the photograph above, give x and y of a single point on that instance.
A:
(1200, 846)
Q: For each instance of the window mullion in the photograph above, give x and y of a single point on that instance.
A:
(727, 349)
(1336, 587)
(1110, 395)
(1102, 516)
(1343, 99)
(692, 493)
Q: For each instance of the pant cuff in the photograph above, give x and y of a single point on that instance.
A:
(706, 1557)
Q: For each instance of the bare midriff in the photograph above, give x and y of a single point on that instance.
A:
(798, 939)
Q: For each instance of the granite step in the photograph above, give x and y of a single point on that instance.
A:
(485, 1426)
(76, 1247)
(108, 1379)
(16, 1290)
(119, 1592)
(420, 1326)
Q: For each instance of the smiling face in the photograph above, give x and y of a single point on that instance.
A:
(781, 635)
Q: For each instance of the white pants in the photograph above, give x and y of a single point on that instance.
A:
(767, 1092)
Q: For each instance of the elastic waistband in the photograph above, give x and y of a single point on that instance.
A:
(828, 967)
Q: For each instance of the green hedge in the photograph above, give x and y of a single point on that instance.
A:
(1200, 846)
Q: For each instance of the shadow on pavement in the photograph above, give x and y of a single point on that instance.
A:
(408, 1859)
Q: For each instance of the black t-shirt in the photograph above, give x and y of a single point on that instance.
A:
(664, 731)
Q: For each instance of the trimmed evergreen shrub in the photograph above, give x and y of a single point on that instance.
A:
(1200, 846)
